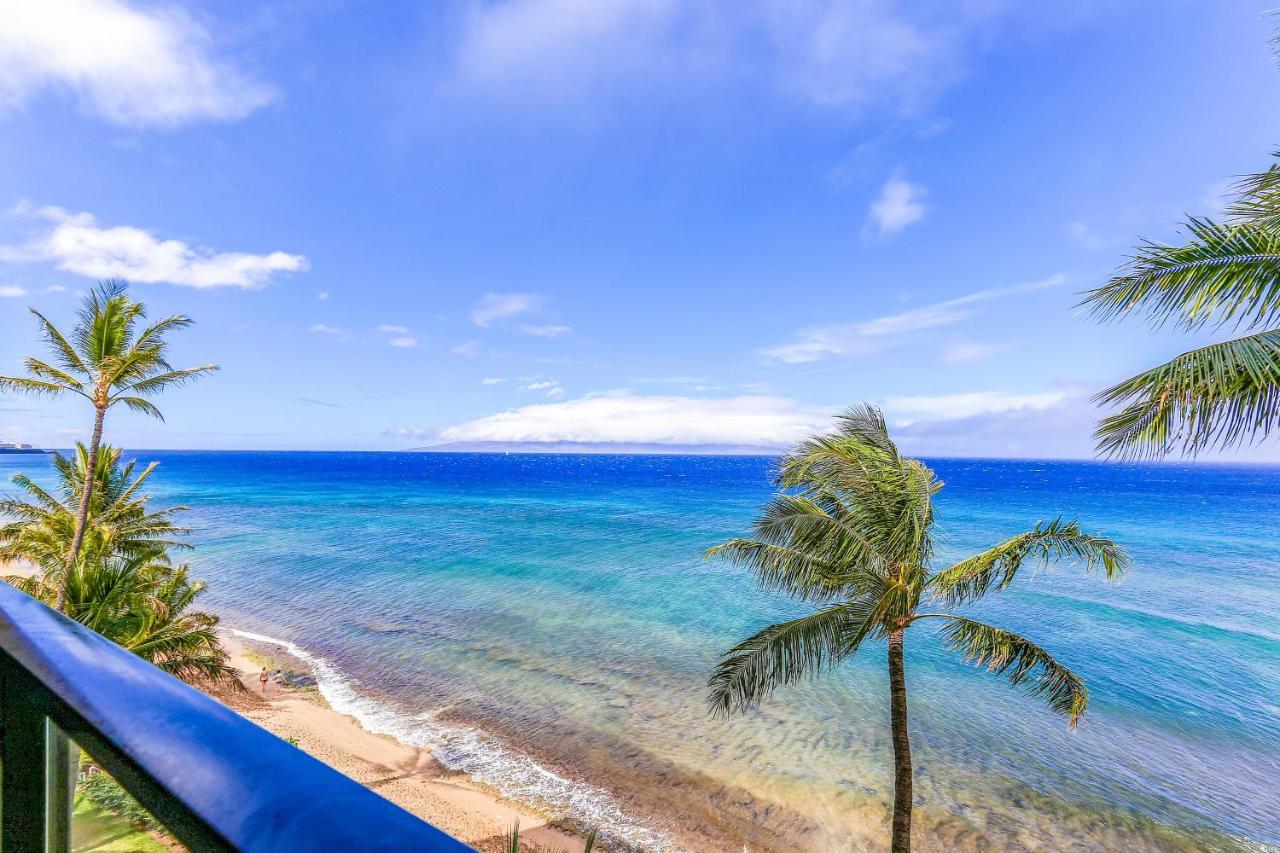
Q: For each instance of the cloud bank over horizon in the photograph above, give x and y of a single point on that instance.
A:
(931, 425)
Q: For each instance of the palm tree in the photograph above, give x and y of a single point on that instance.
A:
(852, 533)
(109, 362)
(117, 522)
(144, 605)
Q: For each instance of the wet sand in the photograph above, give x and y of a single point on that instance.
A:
(408, 777)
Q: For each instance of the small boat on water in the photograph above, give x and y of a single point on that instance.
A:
(18, 447)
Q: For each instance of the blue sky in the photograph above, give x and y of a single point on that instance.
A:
(641, 220)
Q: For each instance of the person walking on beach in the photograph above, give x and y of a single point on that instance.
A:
(263, 679)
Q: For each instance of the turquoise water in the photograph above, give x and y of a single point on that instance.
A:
(546, 622)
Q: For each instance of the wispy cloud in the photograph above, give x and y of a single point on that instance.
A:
(399, 336)
(1086, 236)
(817, 343)
(470, 349)
(492, 380)
(551, 331)
(312, 401)
(842, 55)
(625, 417)
(77, 244)
(551, 387)
(970, 352)
(899, 204)
(338, 334)
(134, 67)
(671, 380)
(503, 306)
(967, 404)
(12, 290)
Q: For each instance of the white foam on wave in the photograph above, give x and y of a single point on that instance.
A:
(514, 775)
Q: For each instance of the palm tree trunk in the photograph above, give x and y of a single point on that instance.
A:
(82, 515)
(901, 746)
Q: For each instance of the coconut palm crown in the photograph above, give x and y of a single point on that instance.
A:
(1223, 275)
(41, 523)
(852, 534)
(145, 605)
(108, 360)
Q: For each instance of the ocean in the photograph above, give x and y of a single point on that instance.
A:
(547, 623)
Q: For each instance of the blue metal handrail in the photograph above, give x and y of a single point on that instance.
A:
(214, 779)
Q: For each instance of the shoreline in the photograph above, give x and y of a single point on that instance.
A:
(471, 786)
(409, 776)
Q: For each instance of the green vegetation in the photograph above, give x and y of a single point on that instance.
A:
(512, 844)
(1224, 274)
(124, 585)
(105, 792)
(852, 533)
(105, 819)
(117, 521)
(108, 361)
(102, 554)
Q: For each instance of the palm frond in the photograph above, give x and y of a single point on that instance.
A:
(1220, 395)
(1225, 272)
(787, 652)
(972, 578)
(1021, 661)
(24, 385)
(48, 373)
(1258, 196)
(140, 405)
(63, 351)
(170, 378)
(154, 334)
(786, 570)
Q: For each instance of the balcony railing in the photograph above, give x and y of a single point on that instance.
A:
(215, 780)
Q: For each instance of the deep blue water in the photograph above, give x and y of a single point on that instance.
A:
(497, 607)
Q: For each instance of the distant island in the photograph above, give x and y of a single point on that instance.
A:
(601, 447)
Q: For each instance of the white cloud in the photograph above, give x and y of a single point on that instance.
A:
(393, 330)
(492, 380)
(470, 349)
(329, 331)
(965, 405)
(899, 204)
(322, 296)
(12, 290)
(133, 67)
(502, 306)
(76, 243)
(552, 331)
(839, 54)
(625, 417)
(403, 342)
(817, 343)
(539, 385)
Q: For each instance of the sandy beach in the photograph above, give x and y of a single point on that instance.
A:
(409, 777)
